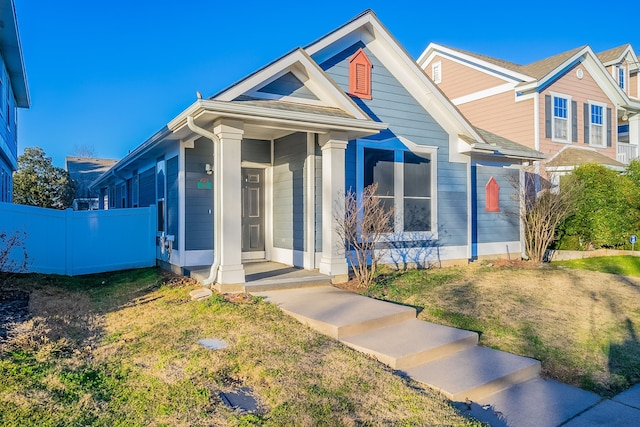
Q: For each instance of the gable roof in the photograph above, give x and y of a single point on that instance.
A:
(539, 74)
(367, 27)
(541, 68)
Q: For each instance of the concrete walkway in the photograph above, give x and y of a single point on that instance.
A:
(498, 388)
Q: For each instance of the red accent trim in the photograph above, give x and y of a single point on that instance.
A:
(492, 192)
(360, 75)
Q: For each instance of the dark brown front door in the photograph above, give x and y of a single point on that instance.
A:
(252, 210)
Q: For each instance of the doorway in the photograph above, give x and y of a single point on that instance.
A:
(253, 229)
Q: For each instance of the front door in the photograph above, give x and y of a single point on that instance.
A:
(252, 210)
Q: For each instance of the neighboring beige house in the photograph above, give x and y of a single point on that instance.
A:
(574, 107)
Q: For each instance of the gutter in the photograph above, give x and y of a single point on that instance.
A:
(213, 272)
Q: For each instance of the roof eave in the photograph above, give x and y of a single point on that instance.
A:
(12, 53)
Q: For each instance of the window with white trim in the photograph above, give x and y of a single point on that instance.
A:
(436, 72)
(621, 74)
(597, 124)
(560, 123)
(404, 181)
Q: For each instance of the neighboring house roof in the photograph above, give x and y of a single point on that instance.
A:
(12, 53)
(541, 68)
(613, 54)
(571, 156)
(84, 170)
(540, 74)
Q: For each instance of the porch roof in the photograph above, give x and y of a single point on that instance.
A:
(270, 119)
(496, 145)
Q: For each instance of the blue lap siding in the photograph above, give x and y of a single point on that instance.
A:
(392, 103)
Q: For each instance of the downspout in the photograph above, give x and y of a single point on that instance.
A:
(213, 273)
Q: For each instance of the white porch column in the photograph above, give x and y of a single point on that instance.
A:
(634, 129)
(228, 202)
(333, 262)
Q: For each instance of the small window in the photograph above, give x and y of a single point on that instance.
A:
(621, 76)
(436, 72)
(492, 196)
(561, 116)
(360, 75)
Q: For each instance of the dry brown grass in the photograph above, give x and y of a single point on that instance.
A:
(128, 356)
(581, 324)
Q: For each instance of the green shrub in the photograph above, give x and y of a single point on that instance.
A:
(607, 212)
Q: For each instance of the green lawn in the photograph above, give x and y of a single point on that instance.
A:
(121, 350)
(582, 325)
(622, 265)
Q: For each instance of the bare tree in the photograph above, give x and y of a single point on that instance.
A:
(13, 255)
(84, 150)
(362, 224)
(542, 210)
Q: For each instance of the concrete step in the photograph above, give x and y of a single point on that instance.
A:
(475, 373)
(412, 342)
(335, 312)
(535, 403)
(279, 284)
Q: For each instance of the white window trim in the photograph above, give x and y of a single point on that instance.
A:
(436, 72)
(398, 180)
(622, 68)
(604, 124)
(553, 122)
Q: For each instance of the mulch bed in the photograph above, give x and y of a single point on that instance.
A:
(14, 309)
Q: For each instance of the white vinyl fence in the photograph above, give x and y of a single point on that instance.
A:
(83, 242)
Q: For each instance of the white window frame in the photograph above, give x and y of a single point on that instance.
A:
(436, 72)
(398, 181)
(602, 126)
(621, 71)
(567, 119)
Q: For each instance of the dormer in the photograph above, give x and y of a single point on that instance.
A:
(360, 75)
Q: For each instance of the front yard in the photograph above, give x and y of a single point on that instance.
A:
(122, 350)
(582, 325)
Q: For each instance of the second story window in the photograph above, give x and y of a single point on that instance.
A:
(560, 119)
(596, 125)
(621, 76)
(436, 72)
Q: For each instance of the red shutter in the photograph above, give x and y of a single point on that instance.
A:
(360, 75)
(492, 191)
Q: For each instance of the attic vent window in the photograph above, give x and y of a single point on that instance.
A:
(492, 192)
(436, 72)
(360, 75)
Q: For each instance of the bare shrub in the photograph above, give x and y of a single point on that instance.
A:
(13, 255)
(542, 209)
(362, 224)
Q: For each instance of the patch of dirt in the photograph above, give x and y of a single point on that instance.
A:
(14, 309)
(239, 298)
(352, 286)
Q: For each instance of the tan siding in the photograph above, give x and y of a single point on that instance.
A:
(503, 116)
(581, 91)
(633, 85)
(459, 80)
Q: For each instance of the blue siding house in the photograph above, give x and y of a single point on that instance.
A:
(14, 94)
(256, 171)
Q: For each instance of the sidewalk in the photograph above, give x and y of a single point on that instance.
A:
(498, 388)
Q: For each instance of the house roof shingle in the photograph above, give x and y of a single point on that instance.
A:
(612, 54)
(576, 156)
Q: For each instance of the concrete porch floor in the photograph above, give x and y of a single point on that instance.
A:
(264, 276)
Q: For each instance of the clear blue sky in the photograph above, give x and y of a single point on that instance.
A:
(110, 73)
